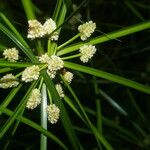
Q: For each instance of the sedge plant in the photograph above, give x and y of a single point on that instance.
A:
(43, 70)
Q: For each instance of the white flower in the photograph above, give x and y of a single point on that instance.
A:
(11, 54)
(44, 58)
(55, 63)
(8, 81)
(48, 27)
(86, 30)
(87, 52)
(60, 90)
(31, 73)
(53, 113)
(35, 29)
(51, 74)
(68, 76)
(34, 99)
(54, 36)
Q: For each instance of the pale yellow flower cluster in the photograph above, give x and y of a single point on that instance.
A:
(54, 63)
(86, 30)
(60, 90)
(11, 54)
(8, 81)
(87, 52)
(53, 113)
(34, 99)
(68, 76)
(31, 73)
(37, 30)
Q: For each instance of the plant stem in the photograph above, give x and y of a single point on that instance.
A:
(68, 42)
(107, 37)
(70, 57)
(44, 117)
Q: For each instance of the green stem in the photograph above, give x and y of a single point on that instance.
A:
(28, 8)
(44, 117)
(70, 57)
(49, 47)
(68, 42)
(39, 48)
(107, 37)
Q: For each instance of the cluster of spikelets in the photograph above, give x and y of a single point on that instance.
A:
(52, 63)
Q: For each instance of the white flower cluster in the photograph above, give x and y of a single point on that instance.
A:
(34, 99)
(60, 90)
(44, 58)
(31, 73)
(11, 54)
(54, 63)
(53, 113)
(37, 30)
(68, 76)
(87, 52)
(8, 81)
(86, 29)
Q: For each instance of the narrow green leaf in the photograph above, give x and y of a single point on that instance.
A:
(64, 115)
(108, 76)
(68, 101)
(10, 96)
(16, 64)
(28, 8)
(68, 4)
(97, 135)
(2, 47)
(35, 126)
(3, 70)
(99, 116)
(43, 117)
(17, 111)
(134, 10)
(25, 49)
(9, 24)
(113, 103)
(110, 36)
(57, 10)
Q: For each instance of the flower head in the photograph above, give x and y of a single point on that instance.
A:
(55, 63)
(53, 113)
(11, 54)
(31, 73)
(87, 52)
(60, 90)
(8, 81)
(68, 76)
(35, 29)
(86, 29)
(34, 99)
(51, 74)
(48, 27)
(44, 58)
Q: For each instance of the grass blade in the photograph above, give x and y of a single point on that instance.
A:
(64, 115)
(26, 50)
(28, 8)
(108, 76)
(110, 36)
(17, 111)
(9, 24)
(43, 117)
(35, 126)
